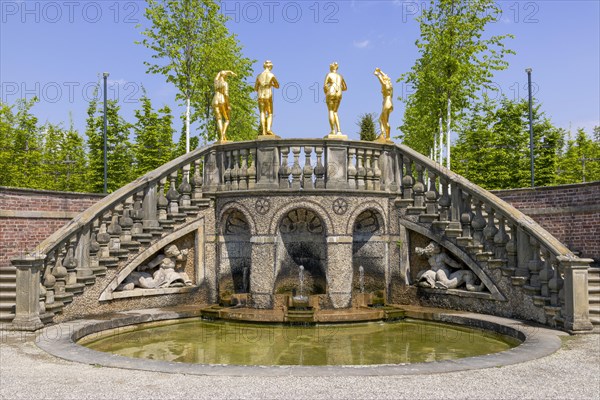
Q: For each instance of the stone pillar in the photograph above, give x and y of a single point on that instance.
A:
(82, 254)
(524, 253)
(262, 274)
(267, 166)
(339, 270)
(27, 310)
(576, 307)
(211, 267)
(337, 168)
(199, 261)
(211, 172)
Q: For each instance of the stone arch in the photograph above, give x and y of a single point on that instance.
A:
(358, 210)
(301, 241)
(369, 253)
(241, 208)
(318, 209)
(235, 253)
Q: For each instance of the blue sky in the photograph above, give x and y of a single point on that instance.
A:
(57, 50)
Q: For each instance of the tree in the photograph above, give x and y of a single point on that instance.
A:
(580, 161)
(492, 149)
(63, 160)
(119, 148)
(366, 123)
(153, 145)
(193, 43)
(455, 63)
(20, 138)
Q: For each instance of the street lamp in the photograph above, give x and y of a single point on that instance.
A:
(105, 75)
(528, 70)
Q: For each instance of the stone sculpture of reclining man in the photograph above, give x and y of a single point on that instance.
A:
(440, 276)
(164, 276)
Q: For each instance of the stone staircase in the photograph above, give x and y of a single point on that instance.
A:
(594, 293)
(8, 293)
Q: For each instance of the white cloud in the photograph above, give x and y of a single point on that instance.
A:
(362, 44)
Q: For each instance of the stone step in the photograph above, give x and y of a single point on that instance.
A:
(6, 317)
(594, 299)
(8, 286)
(8, 269)
(7, 306)
(593, 290)
(8, 277)
(8, 295)
(595, 320)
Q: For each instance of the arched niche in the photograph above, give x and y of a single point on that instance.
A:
(235, 254)
(301, 242)
(369, 251)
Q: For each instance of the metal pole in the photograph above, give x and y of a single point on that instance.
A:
(448, 134)
(528, 70)
(104, 137)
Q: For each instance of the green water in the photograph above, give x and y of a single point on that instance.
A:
(203, 342)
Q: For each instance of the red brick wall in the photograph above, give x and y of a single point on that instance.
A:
(27, 217)
(570, 212)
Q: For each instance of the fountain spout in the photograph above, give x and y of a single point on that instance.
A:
(361, 278)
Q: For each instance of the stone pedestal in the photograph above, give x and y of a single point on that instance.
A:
(262, 276)
(267, 166)
(211, 171)
(27, 310)
(339, 270)
(576, 308)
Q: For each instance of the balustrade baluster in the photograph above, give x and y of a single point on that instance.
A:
(60, 274)
(490, 231)
(307, 179)
(126, 223)
(252, 169)
(465, 218)
(296, 170)
(185, 189)
(511, 253)
(284, 169)
(243, 179)
(114, 230)
(376, 171)
(407, 184)
(444, 201)
(369, 184)
(361, 172)
(535, 266)
(70, 263)
(351, 168)
(94, 249)
(197, 181)
(172, 196)
(228, 158)
(419, 192)
(161, 203)
(319, 170)
(49, 281)
(501, 240)
(556, 285)
(235, 170)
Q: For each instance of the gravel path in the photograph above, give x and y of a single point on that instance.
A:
(27, 372)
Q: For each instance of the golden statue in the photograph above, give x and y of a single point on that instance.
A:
(220, 103)
(387, 90)
(333, 87)
(265, 81)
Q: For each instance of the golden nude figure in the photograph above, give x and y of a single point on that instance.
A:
(265, 82)
(220, 103)
(387, 90)
(333, 87)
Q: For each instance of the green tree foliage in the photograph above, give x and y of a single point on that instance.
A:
(21, 146)
(191, 43)
(455, 63)
(64, 160)
(492, 149)
(119, 149)
(366, 123)
(581, 159)
(153, 144)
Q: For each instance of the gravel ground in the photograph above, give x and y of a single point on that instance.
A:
(27, 372)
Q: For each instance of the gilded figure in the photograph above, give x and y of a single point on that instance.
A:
(333, 87)
(265, 82)
(220, 103)
(387, 90)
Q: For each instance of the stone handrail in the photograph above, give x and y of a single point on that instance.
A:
(143, 210)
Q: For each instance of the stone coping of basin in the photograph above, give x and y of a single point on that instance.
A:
(60, 341)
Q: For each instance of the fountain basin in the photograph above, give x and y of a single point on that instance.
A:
(60, 340)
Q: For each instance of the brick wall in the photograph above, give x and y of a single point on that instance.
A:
(570, 212)
(27, 217)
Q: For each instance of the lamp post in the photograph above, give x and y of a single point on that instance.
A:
(528, 70)
(105, 75)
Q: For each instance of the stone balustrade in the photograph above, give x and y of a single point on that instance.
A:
(129, 220)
